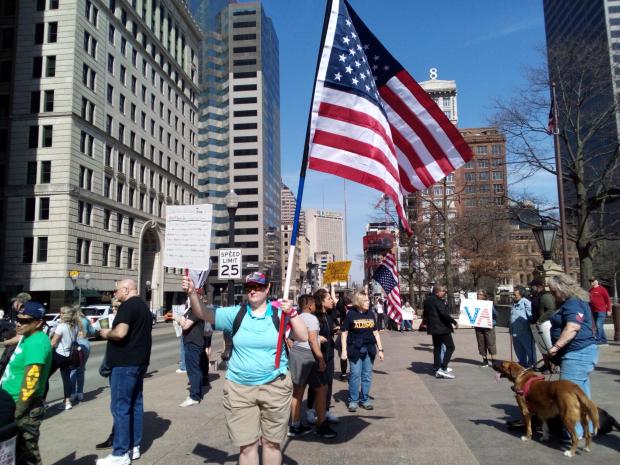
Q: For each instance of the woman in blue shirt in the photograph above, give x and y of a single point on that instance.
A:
(522, 339)
(257, 395)
(574, 347)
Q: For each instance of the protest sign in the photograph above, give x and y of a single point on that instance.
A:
(477, 313)
(188, 236)
(337, 272)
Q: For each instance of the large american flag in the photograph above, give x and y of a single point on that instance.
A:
(387, 276)
(371, 122)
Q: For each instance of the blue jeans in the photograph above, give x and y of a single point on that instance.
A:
(360, 371)
(193, 355)
(127, 406)
(576, 367)
(77, 375)
(182, 366)
(406, 325)
(599, 320)
(523, 342)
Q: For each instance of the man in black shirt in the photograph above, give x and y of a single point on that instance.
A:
(440, 325)
(128, 354)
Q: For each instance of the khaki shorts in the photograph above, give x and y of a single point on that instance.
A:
(255, 411)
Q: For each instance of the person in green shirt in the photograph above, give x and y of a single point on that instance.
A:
(24, 380)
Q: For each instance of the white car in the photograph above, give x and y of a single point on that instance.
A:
(51, 321)
(96, 312)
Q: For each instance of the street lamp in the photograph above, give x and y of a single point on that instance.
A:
(232, 202)
(545, 235)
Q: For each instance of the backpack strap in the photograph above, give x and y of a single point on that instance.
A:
(243, 308)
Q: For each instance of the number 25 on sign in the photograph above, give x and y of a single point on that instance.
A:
(229, 264)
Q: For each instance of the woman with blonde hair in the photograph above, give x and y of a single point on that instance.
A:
(574, 347)
(360, 345)
(65, 334)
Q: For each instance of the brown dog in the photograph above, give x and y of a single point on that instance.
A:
(547, 399)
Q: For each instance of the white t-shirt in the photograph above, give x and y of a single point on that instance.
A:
(67, 336)
(312, 323)
(407, 312)
(379, 308)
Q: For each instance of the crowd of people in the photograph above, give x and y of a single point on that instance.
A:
(263, 397)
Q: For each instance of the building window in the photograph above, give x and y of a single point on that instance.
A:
(37, 67)
(107, 186)
(497, 175)
(107, 214)
(50, 68)
(30, 209)
(33, 137)
(111, 64)
(119, 253)
(470, 176)
(44, 208)
(129, 258)
(27, 249)
(83, 252)
(483, 163)
(41, 5)
(497, 149)
(108, 155)
(35, 101)
(31, 173)
(48, 101)
(46, 172)
(42, 249)
(110, 93)
(481, 149)
(498, 188)
(111, 32)
(86, 178)
(130, 223)
(38, 33)
(47, 136)
(120, 162)
(52, 32)
(119, 192)
(484, 176)
(105, 254)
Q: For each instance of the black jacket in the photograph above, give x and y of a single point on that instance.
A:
(437, 316)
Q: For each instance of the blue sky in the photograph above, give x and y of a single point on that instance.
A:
(483, 45)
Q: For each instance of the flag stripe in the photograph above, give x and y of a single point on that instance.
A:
(455, 147)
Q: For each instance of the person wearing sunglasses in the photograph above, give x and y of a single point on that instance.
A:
(257, 395)
(25, 377)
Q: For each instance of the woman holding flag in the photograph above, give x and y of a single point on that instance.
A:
(257, 395)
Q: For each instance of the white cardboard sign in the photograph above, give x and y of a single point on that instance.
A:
(188, 236)
(477, 313)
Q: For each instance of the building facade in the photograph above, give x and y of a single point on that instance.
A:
(239, 131)
(326, 232)
(103, 138)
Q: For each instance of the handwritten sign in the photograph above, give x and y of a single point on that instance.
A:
(188, 236)
(477, 313)
(337, 272)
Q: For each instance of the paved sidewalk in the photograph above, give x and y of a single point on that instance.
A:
(417, 419)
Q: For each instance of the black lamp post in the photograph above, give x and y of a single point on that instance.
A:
(545, 236)
(232, 202)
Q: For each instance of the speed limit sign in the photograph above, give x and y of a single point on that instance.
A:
(229, 264)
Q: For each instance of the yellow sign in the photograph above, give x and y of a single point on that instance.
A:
(337, 272)
(73, 274)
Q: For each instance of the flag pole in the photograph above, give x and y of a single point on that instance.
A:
(300, 188)
(560, 181)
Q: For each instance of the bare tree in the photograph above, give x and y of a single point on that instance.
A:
(587, 129)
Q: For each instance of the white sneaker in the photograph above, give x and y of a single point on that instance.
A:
(311, 416)
(188, 402)
(443, 374)
(135, 453)
(65, 406)
(181, 371)
(114, 460)
(448, 370)
(331, 417)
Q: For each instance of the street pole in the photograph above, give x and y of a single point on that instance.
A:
(616, 287)
(560, 181)
(231, 244)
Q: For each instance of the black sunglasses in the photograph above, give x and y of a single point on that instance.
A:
(24, 321)
(255, 287)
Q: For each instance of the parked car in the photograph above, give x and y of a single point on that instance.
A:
(96, 312)
(51, 321)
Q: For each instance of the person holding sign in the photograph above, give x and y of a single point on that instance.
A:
(257, 396)
(485, 337)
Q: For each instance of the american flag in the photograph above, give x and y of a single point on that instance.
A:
(387, 276)
(371, 122)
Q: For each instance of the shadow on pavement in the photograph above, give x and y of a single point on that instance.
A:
(611, 441)
(424, 349)
(72, 460)
(422, 368)
(213, 455)
(511, 411)
(154, 428)
(469, 361)
(348, 429)
(52, 411)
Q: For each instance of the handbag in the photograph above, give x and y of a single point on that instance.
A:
(75, 354)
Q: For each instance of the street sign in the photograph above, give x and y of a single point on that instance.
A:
(73, 274)
(229, 265)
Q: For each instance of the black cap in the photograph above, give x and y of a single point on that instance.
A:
(537, 282)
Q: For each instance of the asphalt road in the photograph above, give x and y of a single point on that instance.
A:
(164, 358)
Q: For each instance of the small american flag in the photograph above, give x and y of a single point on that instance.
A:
(371, 122)
(387, 276)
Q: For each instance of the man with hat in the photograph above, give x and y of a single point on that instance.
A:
(25, 377)
(543, 303)
(257, 395)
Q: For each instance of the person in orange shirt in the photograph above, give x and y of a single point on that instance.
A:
(600, 304)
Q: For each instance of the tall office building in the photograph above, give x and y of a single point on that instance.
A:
(326, 232)
(239, 130)
(103, 138)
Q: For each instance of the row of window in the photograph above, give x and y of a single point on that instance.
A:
(496, 149)
(483, 163)
(485, 176)
(497, 188)
(483, 202)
